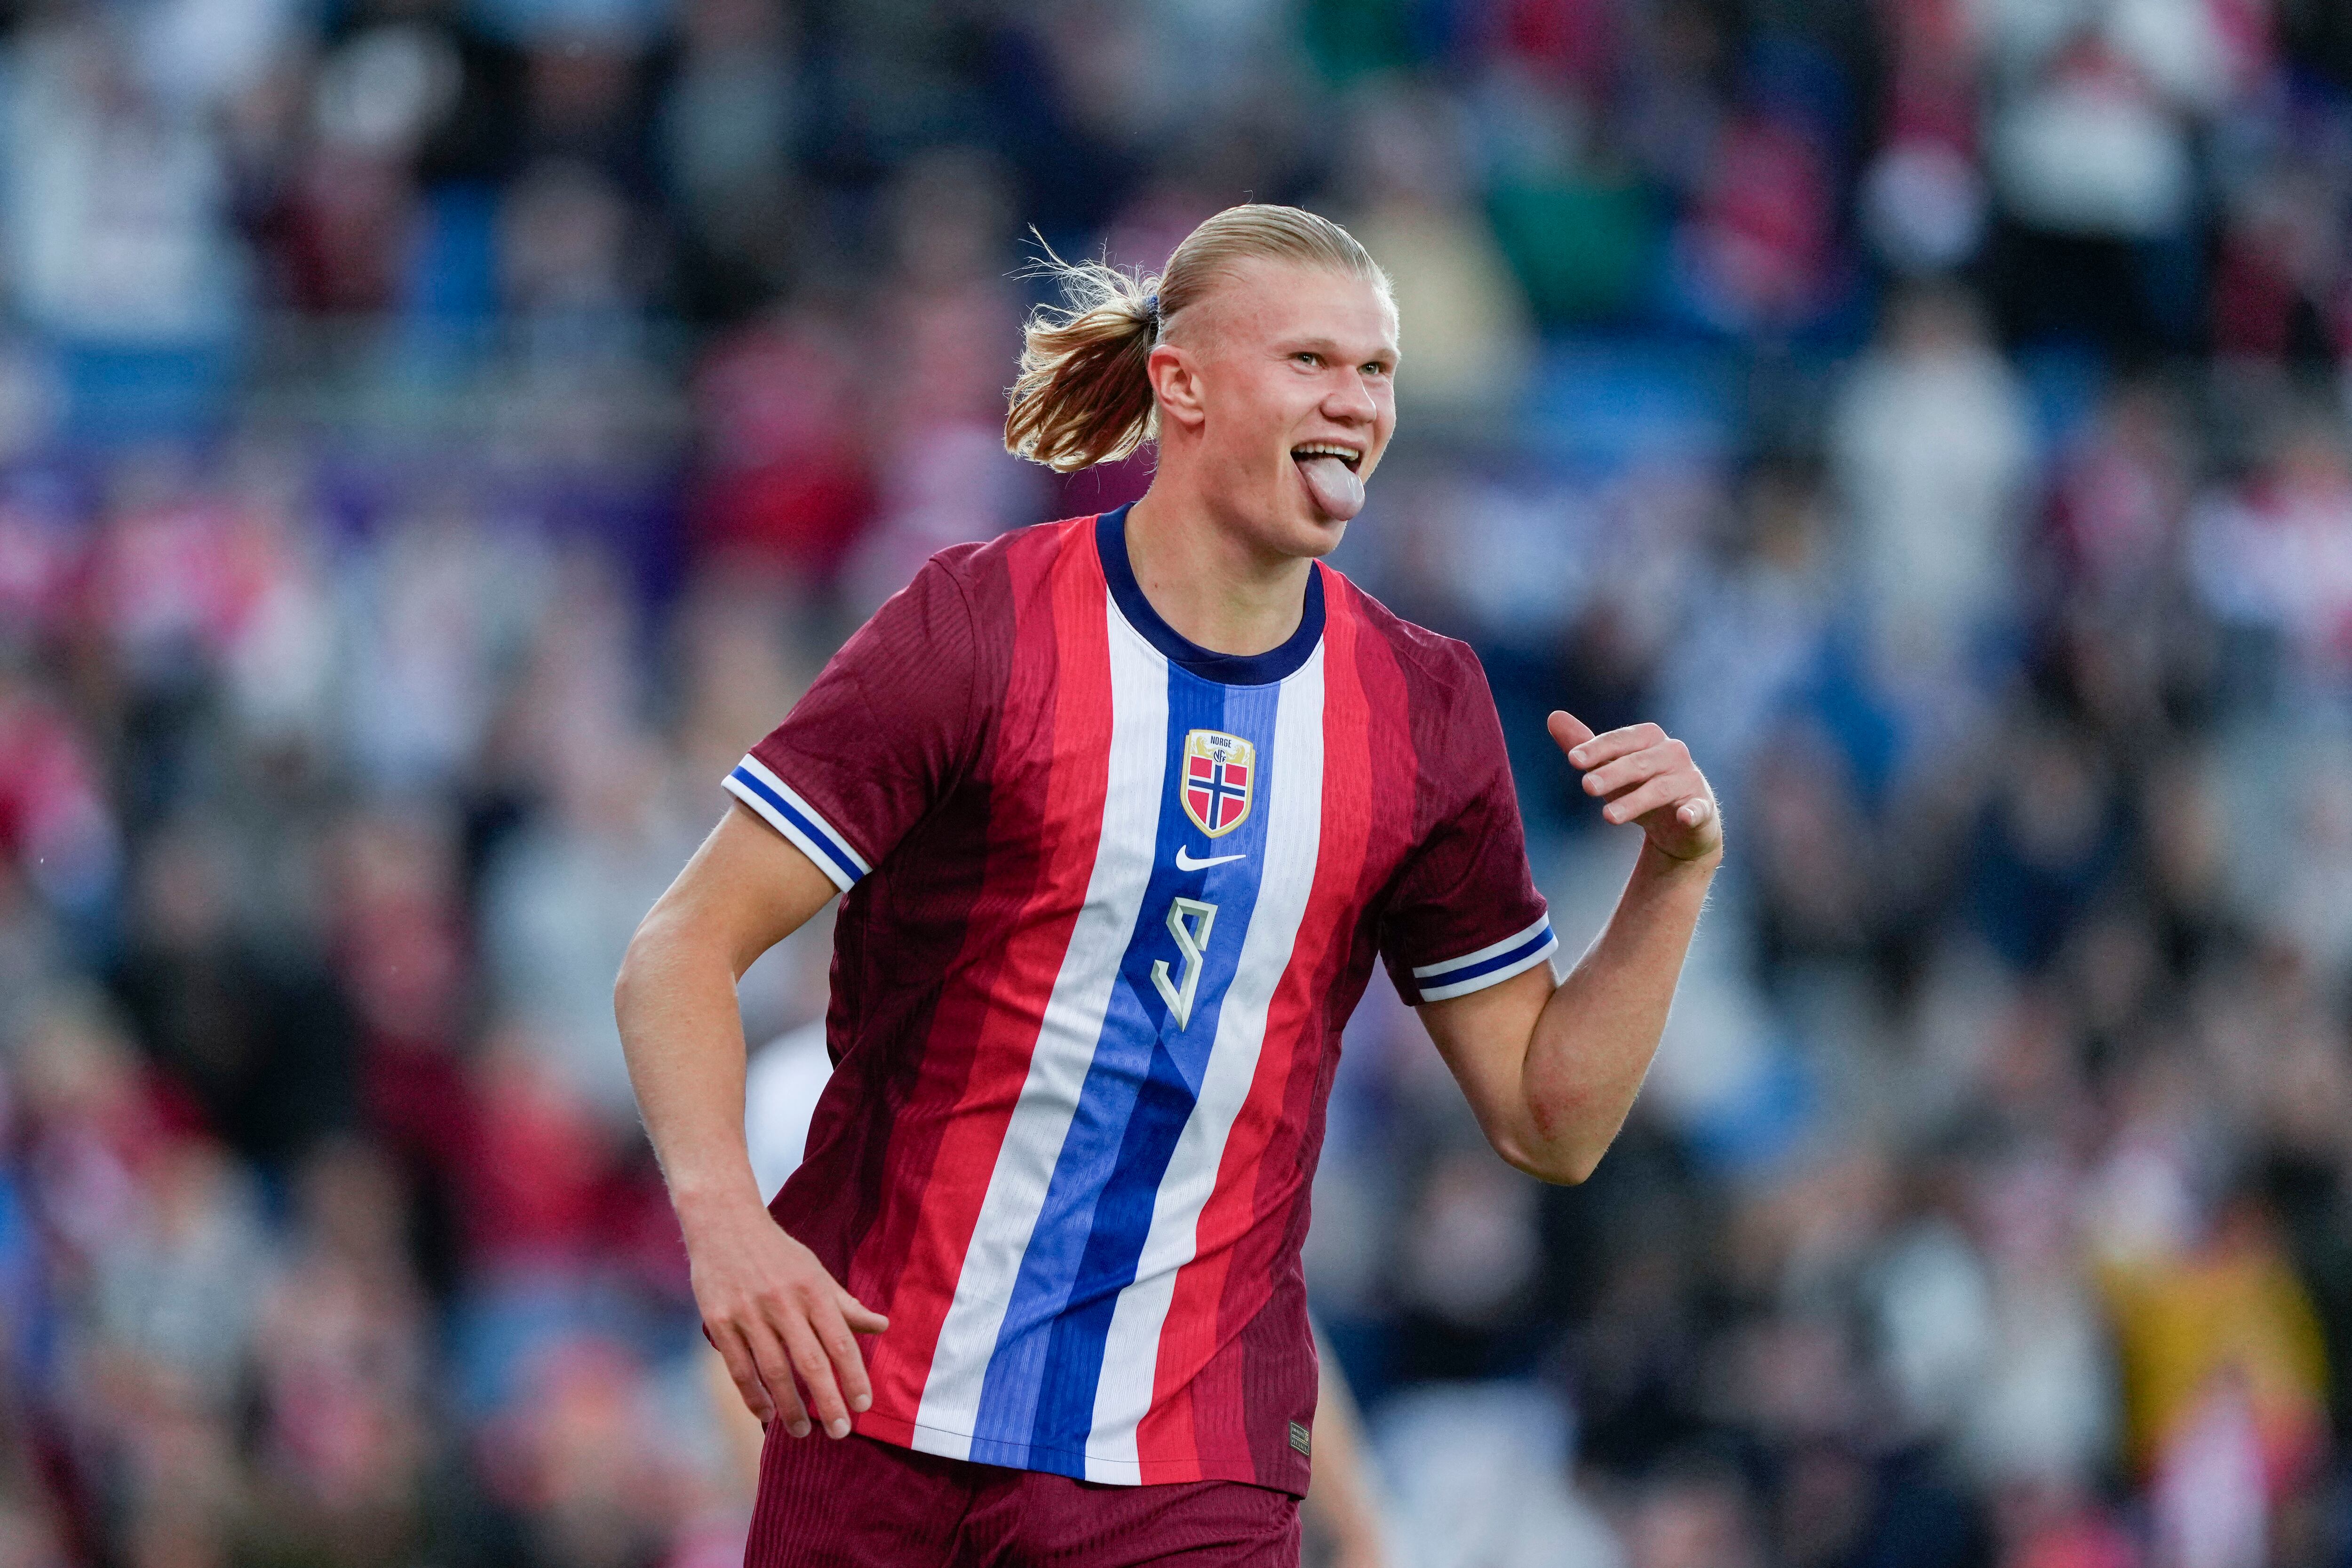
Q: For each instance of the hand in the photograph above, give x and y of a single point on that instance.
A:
(771, 1310)
(1645, 775)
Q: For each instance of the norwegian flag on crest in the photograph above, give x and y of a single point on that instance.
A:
(1219, 770)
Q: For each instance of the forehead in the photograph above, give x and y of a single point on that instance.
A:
(1264, 304)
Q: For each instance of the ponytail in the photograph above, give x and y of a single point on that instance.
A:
(1083, 395)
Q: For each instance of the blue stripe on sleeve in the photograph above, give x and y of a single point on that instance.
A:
(818, 833)
(1469, 977)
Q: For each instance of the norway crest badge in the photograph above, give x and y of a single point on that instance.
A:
(1220, 771)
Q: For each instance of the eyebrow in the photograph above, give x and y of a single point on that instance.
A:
(1330, 349)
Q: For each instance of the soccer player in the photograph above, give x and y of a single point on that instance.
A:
(1123, 809)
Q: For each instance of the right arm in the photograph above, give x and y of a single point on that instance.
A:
(767, 1304)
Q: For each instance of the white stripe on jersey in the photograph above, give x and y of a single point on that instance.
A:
(1293, 839)
(1066, 1047)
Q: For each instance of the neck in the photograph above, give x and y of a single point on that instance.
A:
(1208, 582)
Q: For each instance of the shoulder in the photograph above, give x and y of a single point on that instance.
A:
(990, 573)
(1013, 550)
(1432, 663)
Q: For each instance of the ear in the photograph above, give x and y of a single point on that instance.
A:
(1176, 385)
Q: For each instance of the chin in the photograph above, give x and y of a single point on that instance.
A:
(1298, 529)
(1317, 537)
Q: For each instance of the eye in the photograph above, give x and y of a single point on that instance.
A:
(1374, 367)
(1308, 357)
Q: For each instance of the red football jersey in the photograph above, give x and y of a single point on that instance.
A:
(1111, 899)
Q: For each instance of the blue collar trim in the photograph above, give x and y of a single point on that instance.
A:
(1228, 669)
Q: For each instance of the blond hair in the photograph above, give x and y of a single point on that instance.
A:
(1084, 395)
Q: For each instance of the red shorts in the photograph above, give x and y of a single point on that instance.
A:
(860, 1502)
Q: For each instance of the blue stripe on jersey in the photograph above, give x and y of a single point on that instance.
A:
(1460, 977)
(823, 837)
(1038, 1400)
(1501, 961)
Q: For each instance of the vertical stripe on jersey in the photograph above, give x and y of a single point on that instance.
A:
(1056, 718)
(1037, 1407)
(1023, 1162)
(1197, 1380)
(1292, 803)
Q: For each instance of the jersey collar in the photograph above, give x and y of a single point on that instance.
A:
(1229, 668)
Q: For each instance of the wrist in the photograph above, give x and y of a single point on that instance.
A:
(716, 1204)
(1702, 864)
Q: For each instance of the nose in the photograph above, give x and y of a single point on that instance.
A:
(1349, 401)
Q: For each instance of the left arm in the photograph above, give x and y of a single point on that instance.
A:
(1552, 1066)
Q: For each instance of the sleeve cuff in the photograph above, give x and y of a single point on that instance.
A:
(752, 784)
(1490, 965)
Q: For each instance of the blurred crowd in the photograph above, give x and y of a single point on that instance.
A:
(436, 438)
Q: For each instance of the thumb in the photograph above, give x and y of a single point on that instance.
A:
(1567, 730)
(862, 1319)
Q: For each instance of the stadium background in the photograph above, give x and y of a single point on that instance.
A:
(435, 437)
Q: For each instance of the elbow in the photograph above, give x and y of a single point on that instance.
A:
(1574, 1169)
(625, 985)
(673, 952)
(1559, 1143)
(1570, 1170)
(629, 984)
(1565, 1165)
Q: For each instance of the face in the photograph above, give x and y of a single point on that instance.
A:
(1280, 387)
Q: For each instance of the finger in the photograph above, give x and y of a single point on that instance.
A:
(862, 1318)
(1694, 811)
(776, 1373)
(1670, 790)
(841, 1347)
(790, 1408)
(1616, 744)
(729, 1343)
(1567, 730)
(1613, 778)
(809, 1360)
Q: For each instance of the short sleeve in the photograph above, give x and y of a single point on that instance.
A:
(1463, 913)
(879, 738)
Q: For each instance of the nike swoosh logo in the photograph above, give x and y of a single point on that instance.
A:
(1184, 861)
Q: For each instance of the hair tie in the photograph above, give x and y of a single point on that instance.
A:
(1152, 312)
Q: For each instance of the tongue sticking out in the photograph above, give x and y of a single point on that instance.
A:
(1339, 493)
